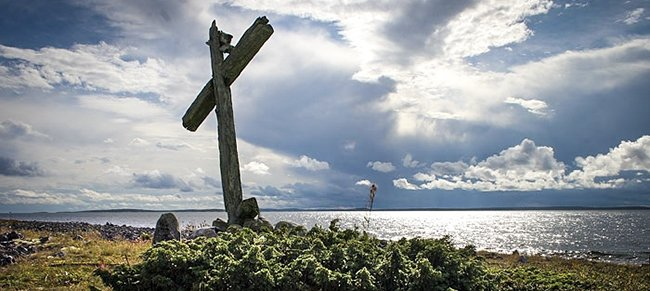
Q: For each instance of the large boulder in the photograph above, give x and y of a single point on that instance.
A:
(248, 209)
(166, 228)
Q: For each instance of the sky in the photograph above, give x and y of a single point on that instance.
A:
(441, 104)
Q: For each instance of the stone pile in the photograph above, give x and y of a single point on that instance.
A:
(13, 246)
(107, 231)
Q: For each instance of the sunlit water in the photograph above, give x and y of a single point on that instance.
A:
(617, 236)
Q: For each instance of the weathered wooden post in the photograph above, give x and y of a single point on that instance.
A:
(216, 93)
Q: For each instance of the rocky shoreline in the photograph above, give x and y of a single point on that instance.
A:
(13, 244)
(108, 231)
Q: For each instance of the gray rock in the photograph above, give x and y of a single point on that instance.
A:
(6, 260)
(206, 232)
(14, 235)
(220, 225)
(44, 239)
(248, 209)
(285, 225)
(523, 259)
(258, 225)
(166, 228)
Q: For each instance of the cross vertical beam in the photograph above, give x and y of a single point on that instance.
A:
(216, 93)
(228, 157)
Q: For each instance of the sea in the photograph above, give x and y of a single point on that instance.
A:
(618, 236)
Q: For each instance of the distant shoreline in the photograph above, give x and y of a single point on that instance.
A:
(552, 208)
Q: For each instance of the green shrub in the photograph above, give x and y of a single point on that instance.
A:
(320, 259)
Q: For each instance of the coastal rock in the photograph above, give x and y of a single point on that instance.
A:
(523, 259)
(166, 228)
(206, 232)
(248, 209)
(6, 260)
(258, 225)
(13, 235)
(220, 225)
(285, 225)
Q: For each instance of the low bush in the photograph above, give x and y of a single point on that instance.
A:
(320, 259)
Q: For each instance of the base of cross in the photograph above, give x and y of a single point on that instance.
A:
(248, 215)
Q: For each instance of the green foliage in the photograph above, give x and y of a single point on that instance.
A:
(290, 259)
(531, 278)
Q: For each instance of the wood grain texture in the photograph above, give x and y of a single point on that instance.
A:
(250, 43)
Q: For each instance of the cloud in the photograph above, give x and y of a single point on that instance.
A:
(409, 162)
(258, 168)
(366, 183)
(310, 164)
(130, 107)
(139, 142)
(89, 67)
(486, 25)
(524, 167)
(383, 167)
(157, 180)
(10, 129)
(528, 167)
(92, 199)
(173, 146)
(30, 197)
(402, 183)
(627, 156)
(349, 146)
(633, 16)
(11, 167)
(534, 106)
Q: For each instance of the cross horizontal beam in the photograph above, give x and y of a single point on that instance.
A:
(249, 44)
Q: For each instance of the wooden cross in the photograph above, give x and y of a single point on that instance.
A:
(216, 93)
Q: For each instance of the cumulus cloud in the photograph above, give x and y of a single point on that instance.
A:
(528, 167)
(10, 129)
(158, 180)
(402, 183)
(627, 156)
(310, 164)
(258, 168)
(383, 167)
(11, 167)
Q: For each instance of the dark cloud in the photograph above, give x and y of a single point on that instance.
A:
(418, 21)
(173, 147)
(158, 180)
(11, 167)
